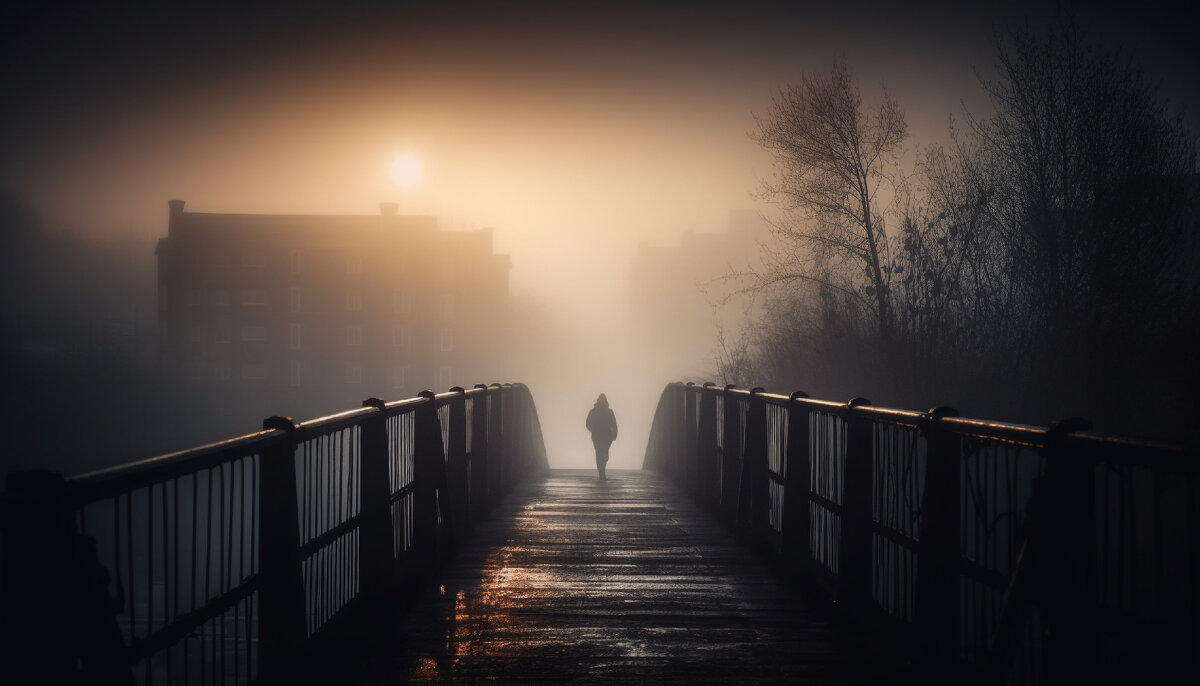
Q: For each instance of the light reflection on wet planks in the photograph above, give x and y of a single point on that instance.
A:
(573, 580)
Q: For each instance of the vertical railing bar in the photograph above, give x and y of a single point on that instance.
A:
(241, 571)
(255, 563)
(328, 486)
(321, 575)
(1132, 554)
(218, 623)
(192, 574)
(1107, 528)
(208, 540)
(993, 502)
(171, 578)
(206, 626)
(337, 466)
(149, 561)
(149, 574)
(1159, 547)
(129, 562)
(307, 523)
(227, 540)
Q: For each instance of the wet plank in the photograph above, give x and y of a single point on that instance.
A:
(574, 580)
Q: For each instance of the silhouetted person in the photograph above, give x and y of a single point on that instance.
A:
(603, 424)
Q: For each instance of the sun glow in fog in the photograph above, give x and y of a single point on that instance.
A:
(406, 171)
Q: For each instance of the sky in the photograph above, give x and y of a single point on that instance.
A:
(575, 130)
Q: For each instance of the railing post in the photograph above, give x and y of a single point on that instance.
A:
(708, 486)
(797, 474)
(854, 549)
(520, 415)
(509, 434)
(514, 426)
(375, 549)
(537, 442)
(668, 433)
(456, 462)
(937, 599)
(1069, 565)
(55, 606)
(730, 465)
(479, 454)
(691, 458)
(753, 507)
(429, 472)
(496, 447)
(283, 624)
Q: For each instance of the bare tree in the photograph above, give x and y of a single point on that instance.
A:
(1080, 173)
(1050, 247)
(833, 159)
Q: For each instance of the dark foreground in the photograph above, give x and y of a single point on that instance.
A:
(573, 580)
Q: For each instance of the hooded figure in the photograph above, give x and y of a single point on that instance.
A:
(603, 424)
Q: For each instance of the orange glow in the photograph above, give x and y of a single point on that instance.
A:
(406, 171)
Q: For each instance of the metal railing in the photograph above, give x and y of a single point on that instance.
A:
(230, 562)
(1000, 552)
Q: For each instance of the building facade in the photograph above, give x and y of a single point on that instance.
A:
(317, 312)
(678, 295)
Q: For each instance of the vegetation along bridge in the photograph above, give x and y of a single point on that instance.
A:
(768, 539)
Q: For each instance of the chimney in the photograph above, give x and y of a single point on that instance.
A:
(176, 211)
(389, 209)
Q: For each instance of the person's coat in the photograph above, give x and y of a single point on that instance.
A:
(602, 422)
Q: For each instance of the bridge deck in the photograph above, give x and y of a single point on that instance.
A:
(576, 580)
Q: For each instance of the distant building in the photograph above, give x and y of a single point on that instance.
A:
(316, 312)
(677, 292)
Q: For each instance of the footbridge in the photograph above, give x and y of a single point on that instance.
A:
(768, 539)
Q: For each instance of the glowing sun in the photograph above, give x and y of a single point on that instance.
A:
(406, 171)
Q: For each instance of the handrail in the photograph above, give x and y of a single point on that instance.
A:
(118, 478)
(973, 539)
(232, 561)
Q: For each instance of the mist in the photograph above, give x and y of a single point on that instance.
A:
(582, 137)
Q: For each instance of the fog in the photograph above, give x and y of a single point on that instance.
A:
(577, 135)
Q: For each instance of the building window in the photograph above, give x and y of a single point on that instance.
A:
(354, 265)
(445, 376)
(294, 373)
(220, 298)
(294, 299)
(401, 301)
(354, 373)
(254, 298)
(294, 337)
(446, 340)
(354, 300)
(254, 372)
(398, 376)
(399, 335)
(196, 298)
(295, 262)
(254, 333)
(354, 335)
(446, 306)
(252, 259)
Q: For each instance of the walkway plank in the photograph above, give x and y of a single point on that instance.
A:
(573, 580)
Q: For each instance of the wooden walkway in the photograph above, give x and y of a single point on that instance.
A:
(574, 580)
